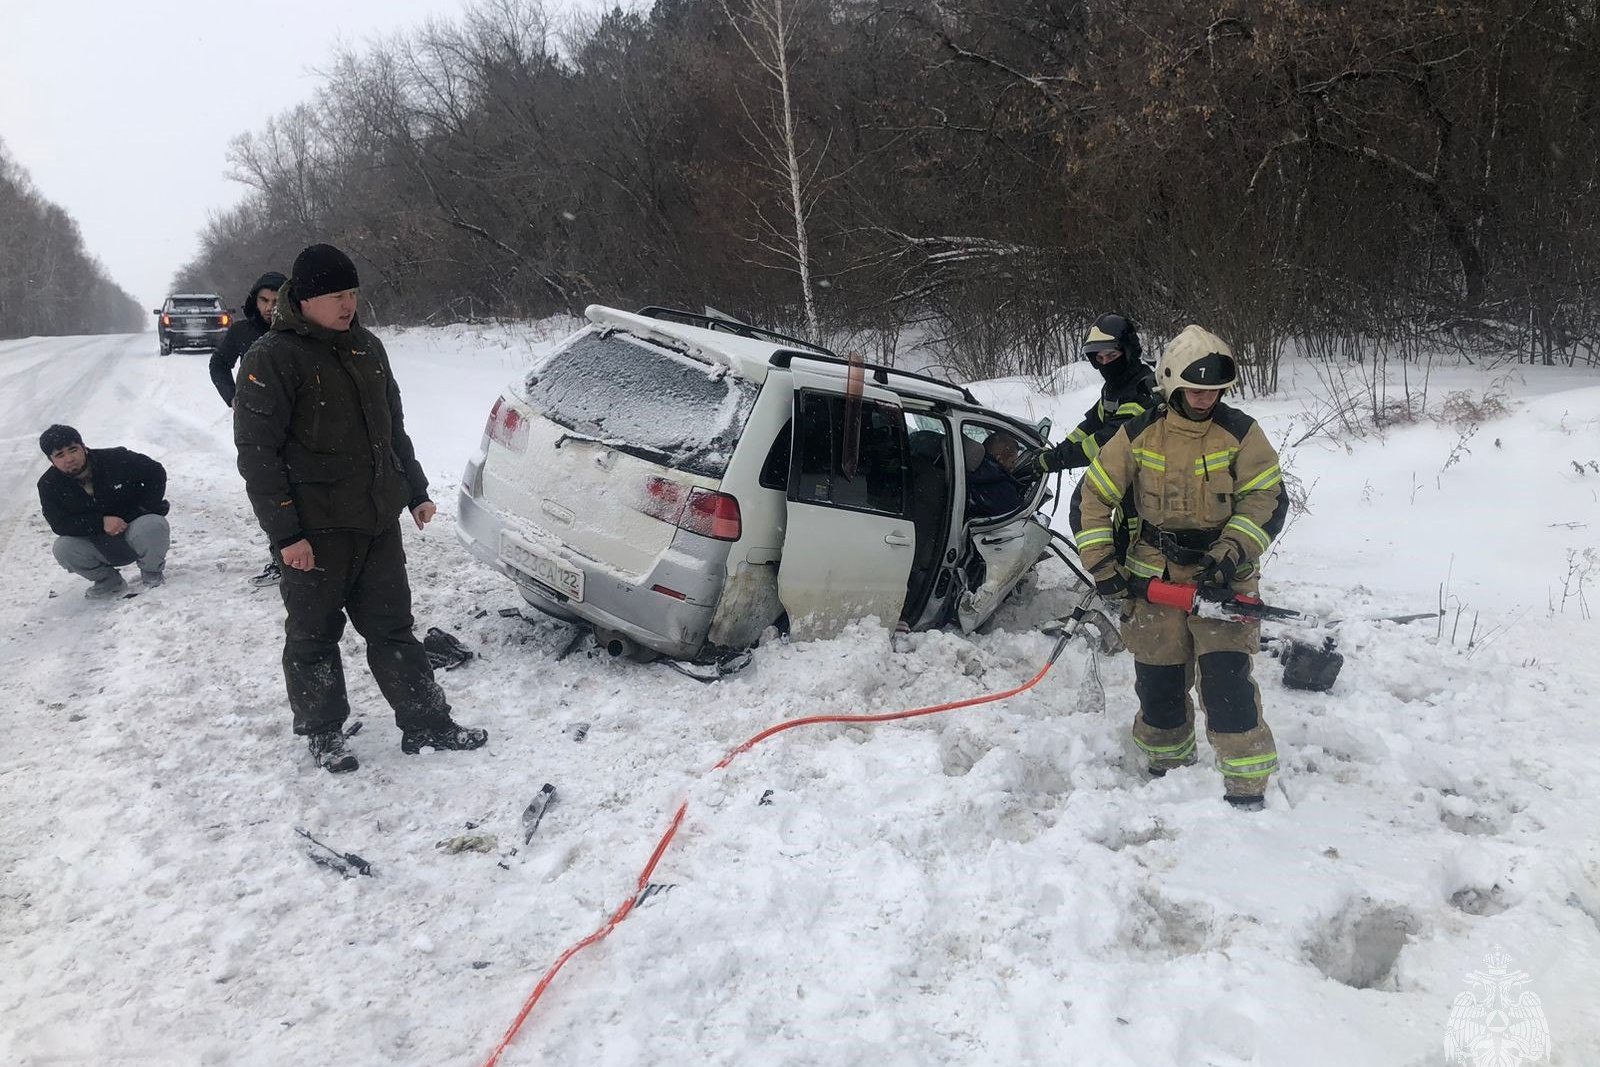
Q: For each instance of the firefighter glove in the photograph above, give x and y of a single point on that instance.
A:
(1217, 568)
(1032, 463)
(1112, 588)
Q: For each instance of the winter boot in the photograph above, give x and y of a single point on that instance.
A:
(106, 588)
(327, 748)
(270, 575)
(1246, 803)
(151, 579)
(449, 737)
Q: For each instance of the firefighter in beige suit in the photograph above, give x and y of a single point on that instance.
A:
(1188, 492)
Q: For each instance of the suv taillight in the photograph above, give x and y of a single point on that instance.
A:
(166, 320)
(226, 318)
(507, 426)
(694, 510)
(711, 514)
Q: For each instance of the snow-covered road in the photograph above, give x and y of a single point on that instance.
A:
(999, 885)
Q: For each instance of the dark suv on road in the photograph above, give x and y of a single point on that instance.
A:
(192, 320)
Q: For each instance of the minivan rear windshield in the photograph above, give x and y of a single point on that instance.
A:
(645, 399)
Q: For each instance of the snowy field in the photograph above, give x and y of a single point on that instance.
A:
(998, 885)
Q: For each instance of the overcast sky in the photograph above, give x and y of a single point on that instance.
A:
(122, 112)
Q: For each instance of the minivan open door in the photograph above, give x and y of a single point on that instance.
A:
(849, 538)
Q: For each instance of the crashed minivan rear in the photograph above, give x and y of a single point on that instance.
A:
(679, 482)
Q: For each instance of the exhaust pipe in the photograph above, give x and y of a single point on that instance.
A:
(616, 645)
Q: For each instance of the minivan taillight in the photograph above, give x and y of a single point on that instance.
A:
(507, 426)
(695, 510)
(711, 514)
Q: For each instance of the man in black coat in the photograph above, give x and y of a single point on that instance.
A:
(329, 467)
(246, 331)
(108, 510)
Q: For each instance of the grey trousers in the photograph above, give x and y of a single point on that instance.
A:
(97, 558)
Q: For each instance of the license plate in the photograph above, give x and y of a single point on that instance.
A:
(542, 567)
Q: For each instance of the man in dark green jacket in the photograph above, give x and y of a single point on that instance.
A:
(328, 466)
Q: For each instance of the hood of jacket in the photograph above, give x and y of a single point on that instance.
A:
(270, 280)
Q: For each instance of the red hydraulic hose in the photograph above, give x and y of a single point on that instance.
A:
(677, 818)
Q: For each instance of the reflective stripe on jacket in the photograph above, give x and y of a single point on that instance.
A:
(1220, 474)
(1125, 399)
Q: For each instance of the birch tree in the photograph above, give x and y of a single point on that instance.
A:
(769, 31)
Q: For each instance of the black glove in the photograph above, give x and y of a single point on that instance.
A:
(1032, 463)
(1112, 588)
(1217, 568)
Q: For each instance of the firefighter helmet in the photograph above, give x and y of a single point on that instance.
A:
(1113, 331)
(1196, 359)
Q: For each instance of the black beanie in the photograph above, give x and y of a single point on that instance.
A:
(320, 270)
(58, 436)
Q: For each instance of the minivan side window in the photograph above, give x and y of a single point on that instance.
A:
(876, 479)
(775, 470)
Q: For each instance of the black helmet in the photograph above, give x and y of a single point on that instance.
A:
(1113, 331)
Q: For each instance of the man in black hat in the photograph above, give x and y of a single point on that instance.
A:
(246, 330)
(328, 467)
(108, 510)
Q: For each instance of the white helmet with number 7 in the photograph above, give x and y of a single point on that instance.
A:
(1196, 359)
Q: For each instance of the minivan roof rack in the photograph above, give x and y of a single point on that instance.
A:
(734, 326)
(880, 373)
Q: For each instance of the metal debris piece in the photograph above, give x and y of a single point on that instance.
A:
(535, 811)
(653, 889)
(361, 866)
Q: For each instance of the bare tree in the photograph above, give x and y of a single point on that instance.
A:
(983, 176)
(770, 32)
(49, 283)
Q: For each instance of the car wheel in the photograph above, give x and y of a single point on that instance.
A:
(166, 349)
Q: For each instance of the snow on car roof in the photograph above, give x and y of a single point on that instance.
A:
(748, 357)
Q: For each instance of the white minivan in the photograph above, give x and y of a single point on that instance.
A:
(680, 482)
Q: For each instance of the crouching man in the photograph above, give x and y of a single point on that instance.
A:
(107, 508)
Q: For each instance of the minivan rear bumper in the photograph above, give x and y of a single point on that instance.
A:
(671, 626)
